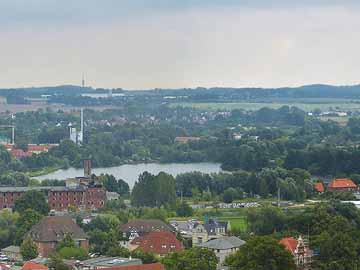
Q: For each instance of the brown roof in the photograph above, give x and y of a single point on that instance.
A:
(54, 229)
(158, 242)
(342, 183)
(146, 226)
(151, 266)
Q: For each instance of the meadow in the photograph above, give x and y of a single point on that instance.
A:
(308, 105)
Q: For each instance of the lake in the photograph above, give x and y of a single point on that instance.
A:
(130, 172)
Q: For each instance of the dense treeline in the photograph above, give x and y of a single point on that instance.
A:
(331, 228)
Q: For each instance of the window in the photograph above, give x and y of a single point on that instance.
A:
(163, 246)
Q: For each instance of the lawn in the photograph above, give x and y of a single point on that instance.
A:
(236, 222)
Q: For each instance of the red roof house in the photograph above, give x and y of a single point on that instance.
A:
(19, 153)
(34, 266)
(343, 184)
(300, 251)
(160, 243)
(290, 244)
(151, 266)
(319, 187)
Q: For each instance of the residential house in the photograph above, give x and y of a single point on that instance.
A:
(343, 185)
(184, 227)
(138, 227)
(223, 246)
(301, 251)
(212, 229)
(12, 252)
(51, 230)
(159, 243)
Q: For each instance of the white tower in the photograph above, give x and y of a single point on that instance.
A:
(81, 133)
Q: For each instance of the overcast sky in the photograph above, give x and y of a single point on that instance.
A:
(142, 44)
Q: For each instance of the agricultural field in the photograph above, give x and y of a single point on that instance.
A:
(304, 104)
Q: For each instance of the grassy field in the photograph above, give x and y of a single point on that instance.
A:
(237, 222)
(43, 171)
(322, 104)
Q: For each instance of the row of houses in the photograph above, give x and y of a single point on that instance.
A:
(30, 150)
(154, 236)
(337, 185)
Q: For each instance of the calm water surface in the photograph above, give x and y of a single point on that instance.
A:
(130, 172)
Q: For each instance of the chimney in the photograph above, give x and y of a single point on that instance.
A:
(87, 168)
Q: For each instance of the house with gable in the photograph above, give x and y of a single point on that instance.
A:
(51, 230)
(211, 229)
(343, 185)
(299, 249)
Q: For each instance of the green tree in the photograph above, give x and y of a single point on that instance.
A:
(261, 253)
(184, 210)
(28, 249)
(8, 227)
(32, 199)
(230, 194)
(66, 242)
(26, 220)
(154, 191)
(191, 259)
(56, 263)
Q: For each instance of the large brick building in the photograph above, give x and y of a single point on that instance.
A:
(51, 230)
(59, 198)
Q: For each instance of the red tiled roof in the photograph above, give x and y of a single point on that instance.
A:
(34, 266)
(319, 187)
(37, 148)
(158, 242)
(19, 153)
(342, 183)
(290, 244)
(152, 266)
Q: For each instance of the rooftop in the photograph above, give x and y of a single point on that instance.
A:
(146, 225)
(223, 243)
(54, 228)
(342, 183)
(34, 266)
(151, 266)
(14, 249)
(319, 187)
(290, 243)
(158, 243)
(111, 262)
